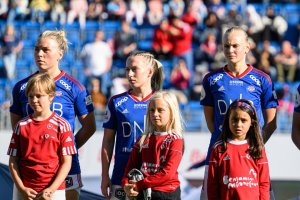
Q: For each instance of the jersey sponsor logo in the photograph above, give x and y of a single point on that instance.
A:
(49, 126)
(23, 86)
(202, 93)
(126, 150)
(107, 116)
(255, 80)
(240, 181)
(145, 146)
(226, 157)
(219, 77)
(121, 101)
(69, 182)
(12, 141)
(140, 106)
(68, 87)
(125, 111)
(88, 100)
(47, 136)
(251, 88)
(224, 105)
(221, 88)
(274, 94)
(69, 139)
(58, 93)
(236, 83)
(119, 193)
(297, 100)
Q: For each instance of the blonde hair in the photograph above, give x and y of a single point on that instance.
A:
(176, 120)
(158, 75)
(236, 28)
(43, 82)
(59, 36)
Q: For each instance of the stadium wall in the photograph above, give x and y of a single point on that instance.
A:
(284, 157)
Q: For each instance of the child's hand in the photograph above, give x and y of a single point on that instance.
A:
(130, 190)
(46, 194)
(29, 193)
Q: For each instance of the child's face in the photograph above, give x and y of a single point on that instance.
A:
(160, 115)
(239, 124)
(39, 101)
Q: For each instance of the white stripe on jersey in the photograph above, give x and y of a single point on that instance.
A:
(62, 123)
(64, 152)
(12, 152)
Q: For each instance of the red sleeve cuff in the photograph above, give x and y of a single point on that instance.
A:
(140, 185)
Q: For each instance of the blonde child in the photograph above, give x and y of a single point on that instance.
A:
(41, 147)
(238, 166)
(158, 152)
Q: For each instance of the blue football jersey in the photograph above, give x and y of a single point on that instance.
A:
(297, 101)
(126, 115)
(71, 100)
(221, 88)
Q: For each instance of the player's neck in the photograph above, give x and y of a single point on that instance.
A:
(142, 92)
(237, 69)
(53, 72)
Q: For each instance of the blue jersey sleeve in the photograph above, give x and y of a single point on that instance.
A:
(16, 106)
(269, 97)
(110, 120)
(206, 98)
(83, 103)
(297, 100)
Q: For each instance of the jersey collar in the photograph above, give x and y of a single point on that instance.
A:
(241, 75)
(144, 99)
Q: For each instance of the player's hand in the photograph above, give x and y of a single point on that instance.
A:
(130, 190)
(29, 193)
(46, 194)
(106, 186)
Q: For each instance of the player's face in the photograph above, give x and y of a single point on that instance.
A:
(239, 124)
(160, 115)
(235, 47)
(39, 101)
(47, 54)
(138, 73)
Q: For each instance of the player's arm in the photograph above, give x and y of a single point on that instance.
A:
(15, 173)
(88, 128)
(108, 144)
(270, 126)
(14, 118)
(296, 129)
(209, 117)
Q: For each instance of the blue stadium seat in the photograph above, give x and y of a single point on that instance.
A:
(145, 45)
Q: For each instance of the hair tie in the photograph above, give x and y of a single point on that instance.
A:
(159, 65)
(242, 104)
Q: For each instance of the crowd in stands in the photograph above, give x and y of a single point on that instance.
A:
(184, 35)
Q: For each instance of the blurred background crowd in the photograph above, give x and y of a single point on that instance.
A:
(184, 35)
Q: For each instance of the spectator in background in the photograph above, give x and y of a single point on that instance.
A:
(18, 10)
(286, 61)
(57, 11)
(77, 9)
(254, 24)
(217, 7)
(124, 41)
(155, 13)
(180, 77)
(161, 42)
(198, 10)
(275, 26)
(11, 45)
(190, 17)
(181, 37)
(39, 10)
(98, 97)
(97, 60)
(96, 11)
(207, 51)
(266, 61)
(116, 9)
(137, 10)
(176, 7)
(4, 5)
(233, 18)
